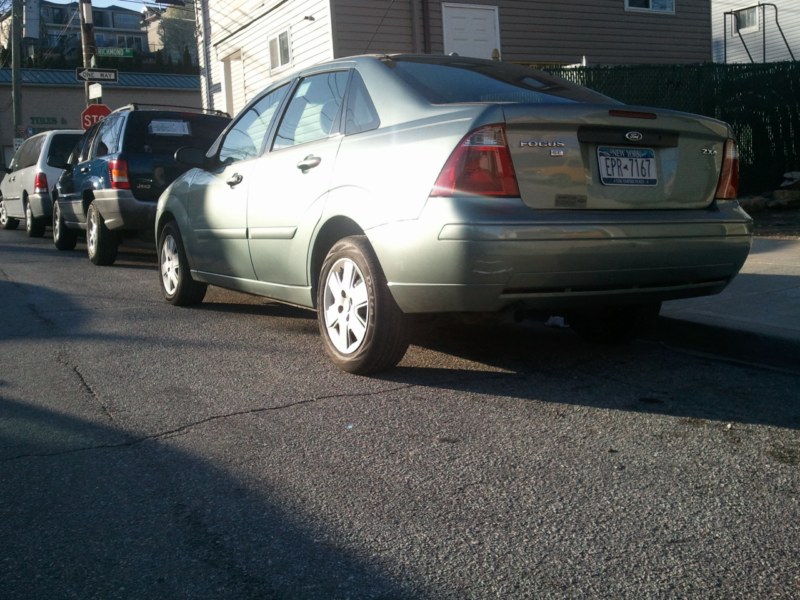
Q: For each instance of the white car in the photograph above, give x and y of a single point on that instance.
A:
(26, 190)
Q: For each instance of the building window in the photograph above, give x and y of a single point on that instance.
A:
(279, 51)
(123, 21)
(129, 41)
(659, 6)
(100, 18)
(745, 20)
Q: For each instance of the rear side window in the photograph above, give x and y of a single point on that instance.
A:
(162, 133)
(28, 153)
(360, 114)
(488, 82)
(313, 111)
(60, 147)
(108, 139)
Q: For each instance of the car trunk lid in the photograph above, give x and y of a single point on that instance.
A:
(614, 157)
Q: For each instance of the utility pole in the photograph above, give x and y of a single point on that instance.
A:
(87, 39)
(16, 64)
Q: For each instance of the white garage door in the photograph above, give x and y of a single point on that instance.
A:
(471, 30)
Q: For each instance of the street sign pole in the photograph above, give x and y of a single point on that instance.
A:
(87, 38)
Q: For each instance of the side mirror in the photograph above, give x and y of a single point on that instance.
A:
(193, 157)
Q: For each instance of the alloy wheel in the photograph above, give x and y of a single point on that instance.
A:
(170, 265)
(346, 306)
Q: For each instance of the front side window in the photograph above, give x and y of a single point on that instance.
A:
(659, 6)
(245, 139)
(279, 51)
(313, 112)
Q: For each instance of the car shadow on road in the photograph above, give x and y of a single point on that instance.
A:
(659, 374)
(101, 513)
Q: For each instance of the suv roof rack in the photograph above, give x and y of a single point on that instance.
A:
(139, 106)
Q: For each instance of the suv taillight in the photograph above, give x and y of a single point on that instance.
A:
(118, 169)
(40, 183)
(728, 187)
(480, 165)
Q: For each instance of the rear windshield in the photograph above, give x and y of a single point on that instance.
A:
(163, 133)
(61, 145)
(452, 81)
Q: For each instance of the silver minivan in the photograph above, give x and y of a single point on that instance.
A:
(26, 189)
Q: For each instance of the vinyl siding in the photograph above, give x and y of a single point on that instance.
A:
(373, 27)
(563, 31)
(766, 44)
(240, 30)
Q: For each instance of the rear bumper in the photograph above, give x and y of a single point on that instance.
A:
(455, 259)
(41, 205)
(121, 210)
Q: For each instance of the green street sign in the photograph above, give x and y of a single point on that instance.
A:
(115, 52)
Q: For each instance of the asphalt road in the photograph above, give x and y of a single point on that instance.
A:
(148, 451)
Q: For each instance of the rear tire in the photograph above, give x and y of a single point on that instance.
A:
(34, 227)
(615, 324)
(176, 280)
(101, 242)
(6, 222)
(363, 329)
(64, 238)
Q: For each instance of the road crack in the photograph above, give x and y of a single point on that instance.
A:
(184, 429)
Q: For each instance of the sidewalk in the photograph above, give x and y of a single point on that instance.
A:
(759, 310)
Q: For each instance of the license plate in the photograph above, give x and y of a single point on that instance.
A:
(627, 166)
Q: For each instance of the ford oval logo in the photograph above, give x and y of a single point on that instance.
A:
(634, 136)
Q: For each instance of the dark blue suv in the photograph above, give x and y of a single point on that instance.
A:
(115, 174)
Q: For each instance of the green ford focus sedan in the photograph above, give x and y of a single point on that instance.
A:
(374, 188)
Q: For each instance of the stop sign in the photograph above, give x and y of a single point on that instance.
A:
(94, 113)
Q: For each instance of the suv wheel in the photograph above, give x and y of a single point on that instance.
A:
(33, 227)
(6, 222)
(64, 238)
(362, 327)
(176, 281)
(101, 242)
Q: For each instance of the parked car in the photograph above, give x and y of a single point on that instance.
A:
(25, 192)
(116, 172)
(378, 187)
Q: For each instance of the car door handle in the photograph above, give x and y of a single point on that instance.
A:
(84, 170)
(234, 179)
(309, 162)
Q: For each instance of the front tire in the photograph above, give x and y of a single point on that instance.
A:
(33, 227)
(101, 242)
(64, 238)
(6, 222)
(176, 280)
(363, 329)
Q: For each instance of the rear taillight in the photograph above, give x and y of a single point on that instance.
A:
(40, 183)
(118, 169)
(480, 165)
(728, 187)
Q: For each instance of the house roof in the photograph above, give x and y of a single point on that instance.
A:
(66, 77)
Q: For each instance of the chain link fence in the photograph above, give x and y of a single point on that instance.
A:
(760, 101)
